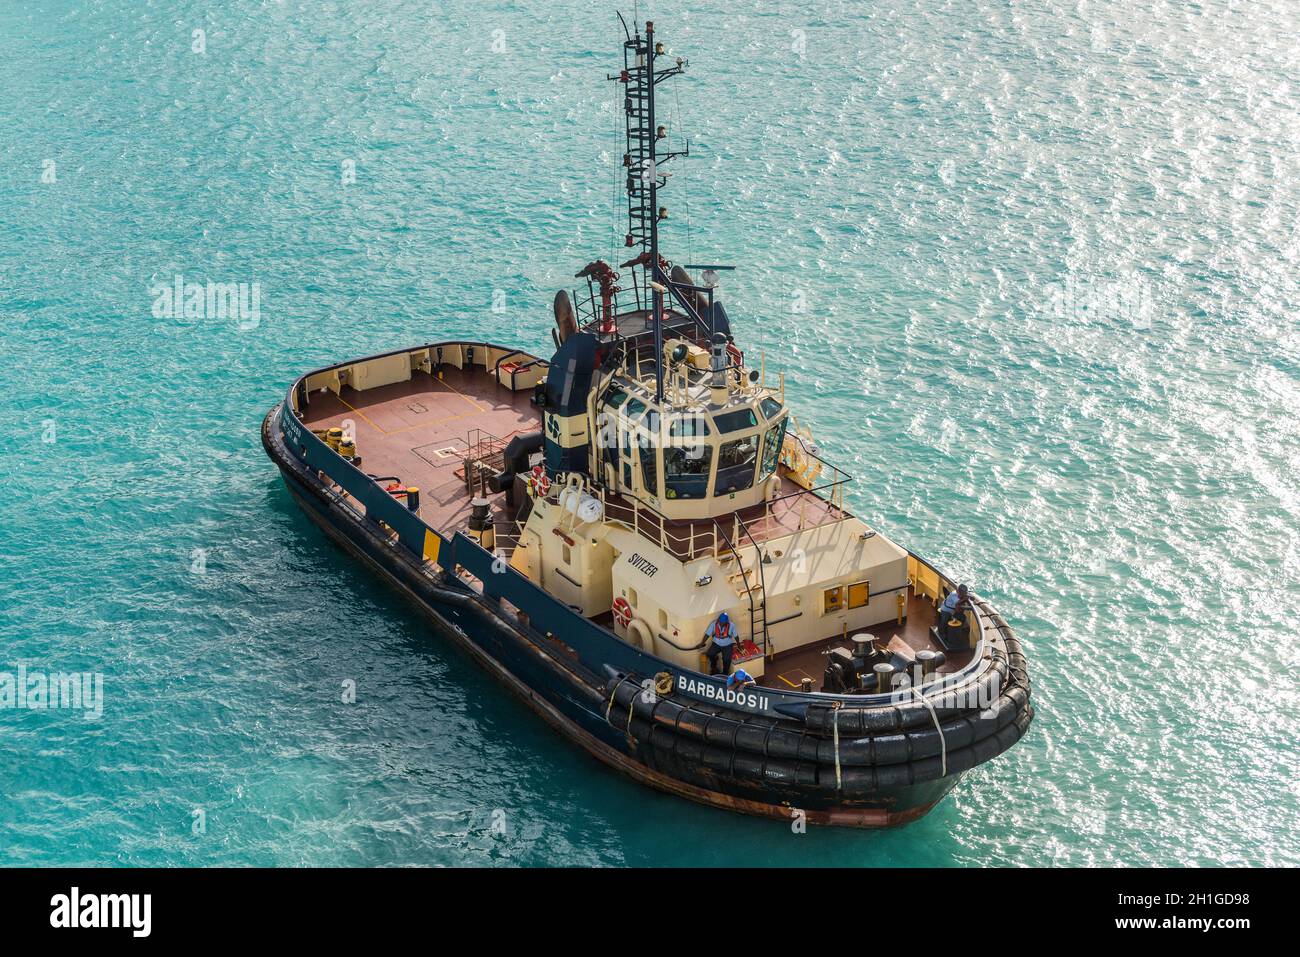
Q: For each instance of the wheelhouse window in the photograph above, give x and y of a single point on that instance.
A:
(627, 457)
(735, 421)
(608, 425)
(771, 408)
(688, 426)
(687, 457)
(634, 410)
(686, 470)
(649, 467)
(736, 462)
(772, 442)
(639, 442)
(615, 398)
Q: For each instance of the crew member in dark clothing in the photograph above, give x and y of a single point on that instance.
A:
(954, 608)
(723, 644)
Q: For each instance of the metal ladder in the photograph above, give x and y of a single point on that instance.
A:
(640, 148)
(755, 591)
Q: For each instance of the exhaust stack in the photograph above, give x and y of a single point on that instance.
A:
(718, 366)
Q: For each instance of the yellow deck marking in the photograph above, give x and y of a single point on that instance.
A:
(451, 418)
(799, 671)
(425, 425)
(459, 393)
(360, 413)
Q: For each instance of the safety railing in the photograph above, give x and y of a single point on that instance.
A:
(689, 539)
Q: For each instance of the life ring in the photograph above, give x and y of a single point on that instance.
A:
(622, 611)
(541, 484)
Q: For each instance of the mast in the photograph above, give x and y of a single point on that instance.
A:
(642, 159)
(656, 287)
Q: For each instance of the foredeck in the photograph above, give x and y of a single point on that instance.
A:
(418, 431)
(789, 668)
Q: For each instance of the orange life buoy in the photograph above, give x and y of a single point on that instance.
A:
(622, 611)
(540, 482)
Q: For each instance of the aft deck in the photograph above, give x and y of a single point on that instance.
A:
(419, 431)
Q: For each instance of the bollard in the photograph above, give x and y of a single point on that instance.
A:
(884, 677)
(922, 667)
(807, 685)
(413, 498)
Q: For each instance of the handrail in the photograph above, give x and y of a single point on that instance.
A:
(683, 546)
(744, 575)
(762, 583)
(533, 360)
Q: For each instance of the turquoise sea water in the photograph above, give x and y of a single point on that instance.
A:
(1030, 267)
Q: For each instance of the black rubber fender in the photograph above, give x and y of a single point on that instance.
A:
(723, 732)
(698, 763)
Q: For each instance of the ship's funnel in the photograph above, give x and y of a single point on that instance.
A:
(566, 324)
(718, 366)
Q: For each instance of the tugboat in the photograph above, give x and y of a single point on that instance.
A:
(638, 538)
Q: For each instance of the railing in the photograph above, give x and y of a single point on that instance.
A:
(689, 539)
(757, 608)
(484, 456)
(519, 367)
